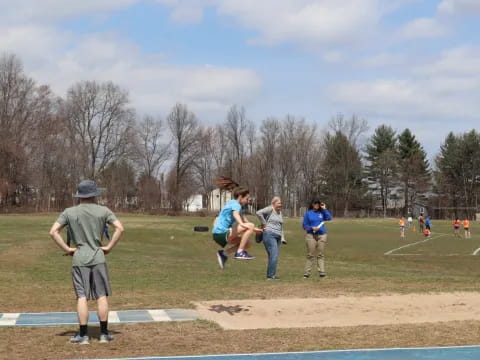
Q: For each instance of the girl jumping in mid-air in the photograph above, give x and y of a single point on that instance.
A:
(238, 237)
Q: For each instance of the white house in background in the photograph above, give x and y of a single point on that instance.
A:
(194, 203)
(218, 198)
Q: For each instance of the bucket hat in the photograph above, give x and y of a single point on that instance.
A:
(87, 189)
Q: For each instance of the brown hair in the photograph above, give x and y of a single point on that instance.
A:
(240, 191)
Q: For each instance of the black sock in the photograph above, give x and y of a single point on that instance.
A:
(104, 327)
(83, 330)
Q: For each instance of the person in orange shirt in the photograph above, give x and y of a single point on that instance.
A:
(466, 227)
(456, 227)
(402, 227)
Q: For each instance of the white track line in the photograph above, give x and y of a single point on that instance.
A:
(476, 252)
(113, 317)
(9, 319)
(159, 315)
(412, 244)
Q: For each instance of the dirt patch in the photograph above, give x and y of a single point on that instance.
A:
(342, 311)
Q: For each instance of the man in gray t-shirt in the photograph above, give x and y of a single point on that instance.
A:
(86, 223)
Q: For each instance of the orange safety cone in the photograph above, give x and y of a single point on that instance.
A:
(414, 228)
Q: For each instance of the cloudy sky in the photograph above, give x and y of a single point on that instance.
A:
(407, 63)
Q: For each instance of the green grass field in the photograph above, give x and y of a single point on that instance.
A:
(150, 269)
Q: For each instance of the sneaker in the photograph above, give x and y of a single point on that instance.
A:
(274, 277)
(222, 258)
(322, 274)
(105, 338)
(81, 340)
(306, 276)
(244, 256)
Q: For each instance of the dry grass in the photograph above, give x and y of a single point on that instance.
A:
(150, 270)
(204, 338)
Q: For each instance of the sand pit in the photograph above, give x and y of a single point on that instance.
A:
(342, 311)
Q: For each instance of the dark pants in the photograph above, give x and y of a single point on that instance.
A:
(272, 245)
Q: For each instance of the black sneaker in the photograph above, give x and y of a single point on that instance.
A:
(306, 276)
(222, 259)
(243, 256)
(274, 277)
(322, 275)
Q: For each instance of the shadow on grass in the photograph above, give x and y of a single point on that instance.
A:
(93, 332)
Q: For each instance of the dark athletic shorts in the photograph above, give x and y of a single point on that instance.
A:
(91, 282)
(221, 239)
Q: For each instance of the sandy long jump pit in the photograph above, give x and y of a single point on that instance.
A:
(342, 311)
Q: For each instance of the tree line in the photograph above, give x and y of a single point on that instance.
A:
(153, 163)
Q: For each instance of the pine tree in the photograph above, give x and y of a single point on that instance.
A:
(458, 171)
(382, 162)
(413, 167)
(342, 171)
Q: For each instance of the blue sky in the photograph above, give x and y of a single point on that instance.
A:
(406, 63)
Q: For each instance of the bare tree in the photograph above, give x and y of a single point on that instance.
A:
(183, 126)
(288, 166)
(17, 97)
(49, 153)
(152, 149)
(309, 157)
(100, 124)
(205, 164)
(352, 128)
(219, 148)
(266, 177)
(236, 126)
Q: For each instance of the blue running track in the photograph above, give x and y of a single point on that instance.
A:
(433, 353)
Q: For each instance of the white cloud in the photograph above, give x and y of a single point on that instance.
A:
(32, 41)
(186, 11)
(59, 58)
(459, 6)
(153, 84)
(384, 60)
(458, 61)
(448, 88)
(45, 11)
(333, 57)
(308, 22)
(423, 28)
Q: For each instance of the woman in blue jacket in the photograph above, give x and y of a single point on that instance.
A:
(316, 236)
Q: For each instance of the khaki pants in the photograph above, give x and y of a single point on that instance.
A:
(315, 249)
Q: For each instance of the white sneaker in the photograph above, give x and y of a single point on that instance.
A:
(81, 340)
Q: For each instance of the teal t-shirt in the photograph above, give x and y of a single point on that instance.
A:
(225, 219)
(86, 223)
